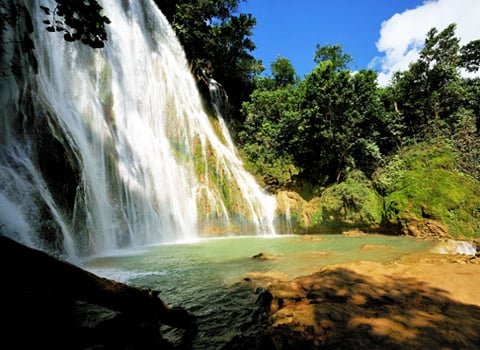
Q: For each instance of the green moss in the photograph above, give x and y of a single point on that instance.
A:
(422, 183)
(220, 186)
(105, 93)
(217, 128)
(353, 202)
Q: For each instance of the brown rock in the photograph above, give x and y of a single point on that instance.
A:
(424, 228)
(354, 233)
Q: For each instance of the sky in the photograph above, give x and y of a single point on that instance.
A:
(385, 35)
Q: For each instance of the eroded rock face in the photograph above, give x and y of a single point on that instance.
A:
(423, 228)
(353, 203)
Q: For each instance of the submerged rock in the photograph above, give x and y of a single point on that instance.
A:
(264, 256)
(374, 247)
(266, 276)
(310, 238)
(354, 233)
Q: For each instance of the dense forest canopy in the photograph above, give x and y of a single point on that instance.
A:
(335, 120)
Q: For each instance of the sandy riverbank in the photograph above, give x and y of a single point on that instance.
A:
(423, 300)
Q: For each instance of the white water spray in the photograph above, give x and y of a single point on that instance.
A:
(151, 167)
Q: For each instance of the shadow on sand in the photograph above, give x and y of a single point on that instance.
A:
(341, 309)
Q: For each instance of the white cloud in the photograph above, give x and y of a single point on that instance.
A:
(402, 35)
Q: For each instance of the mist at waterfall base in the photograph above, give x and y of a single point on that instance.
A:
(107, 149)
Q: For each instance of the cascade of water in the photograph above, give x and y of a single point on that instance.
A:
(150, 164)
(261, 206)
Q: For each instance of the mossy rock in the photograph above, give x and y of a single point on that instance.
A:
(421, 186)
(293, 213)
(352, 203)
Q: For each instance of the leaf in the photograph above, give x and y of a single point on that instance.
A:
(97, 44)
(46, 22)
(46, 10)
(68, 37)
(51, 29)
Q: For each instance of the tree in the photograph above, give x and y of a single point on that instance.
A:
(334, 54)
(283, 72)
(271, 118)
(467, 141)
(217, 43)
(470, 56)
(341, 124)
(431, 92)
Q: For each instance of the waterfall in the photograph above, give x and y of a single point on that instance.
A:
(261, 206)
(134, 157)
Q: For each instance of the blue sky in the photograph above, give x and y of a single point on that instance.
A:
(293, 28)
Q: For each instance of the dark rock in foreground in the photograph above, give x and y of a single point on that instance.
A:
(50, 304)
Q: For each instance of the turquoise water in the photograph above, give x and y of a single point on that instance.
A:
(205, 276)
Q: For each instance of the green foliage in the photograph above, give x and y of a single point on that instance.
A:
(430, 93)
(334, 54)
(422, 183)
(217, 43)
(470, 56)
(331, 122)
(342, 123)
(268, 132)
(283, 72)
(467, 141)
(275, 171)
(78, 20)
(353, 202)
